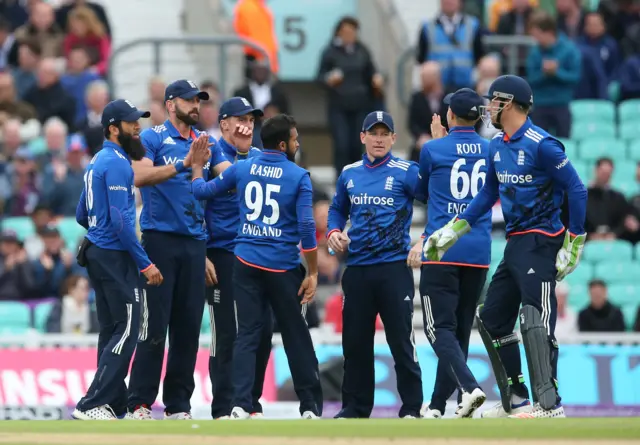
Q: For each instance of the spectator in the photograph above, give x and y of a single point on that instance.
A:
(208, 119)
(593, 80)
(16, 275)
(500, 8)
(43, 29)
(608, 213)
(41, 217)
(63, 181)
(553, 71)
(10, 143)
(55, 143)
(24, 76)
(516, 23)
(16, 11)
(77, 79)
(156, 87)
(8, 46)
(270, 110)
(10, 105)
(158, 114)
(454, 40)
(566, 320)
(595, 36)
(49, 96)
(84, 29)
(97, 97)
(253, 20)
(214, 92)
(348, 72)
(600, 315)
(54, 266)
(424, 104)
(620, 16)
(24, 195)
(73, 314)
(487, 71)
(328, 265)
(63, 12)
(571, 17)
(630, 78)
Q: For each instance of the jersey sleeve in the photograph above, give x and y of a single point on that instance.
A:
(413, 183)
(555, 162)
(217, 155)
(304, 210)
(425, 169)
(118, 182)
(486, 198)
(339, 208)
(149, 139)
(224, 182)
(82, 215)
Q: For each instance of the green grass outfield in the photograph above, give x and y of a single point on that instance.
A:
(595, 428)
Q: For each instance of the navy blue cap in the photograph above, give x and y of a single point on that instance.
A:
(464, 103)
(184, 89)
(237, 106)
(510, 87)
(378, 117)
(121, 110)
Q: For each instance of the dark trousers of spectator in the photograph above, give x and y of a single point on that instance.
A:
(555, 120)
(345, 131)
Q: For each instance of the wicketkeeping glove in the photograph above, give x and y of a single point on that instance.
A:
(569, 254)
(442, 239)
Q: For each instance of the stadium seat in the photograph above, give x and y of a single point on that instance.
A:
(620, 272)
(497, 250)
(621, 294)
(633, 151)
(593, 149)
(629, 110)
(205, 327)
(588, 130)
(584, 169)
(70, 231)
(571, 149)
(629, 131)
(597, 251)
(580, 276)
(40, 316)
(15, 317)
(628, 188)
(578, 296)
(624, 171)
(22, 225)
(589, 110)
(630, 312)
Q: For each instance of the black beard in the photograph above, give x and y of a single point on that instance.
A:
(186, 117)
(290, 155)
(132, 147)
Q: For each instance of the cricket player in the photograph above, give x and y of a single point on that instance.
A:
(377, 195)
(275, 216)
(530, 173)
(174, 235)
(455, 168)
(114, 258)
(237, 120)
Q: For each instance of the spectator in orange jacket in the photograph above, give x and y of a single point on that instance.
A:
(500, 7)
(253, 20)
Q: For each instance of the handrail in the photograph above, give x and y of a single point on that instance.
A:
(220, 41)
(510, 43)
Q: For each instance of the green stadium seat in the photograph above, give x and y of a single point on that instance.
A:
(589, 130)
(584, 169)
(590, 110)
(618, 272)
(628, 188)
(621, 294)
(578, 295)
(614, 89)
(22, 225)
(629, 110)
(571, 149)
(580, 276)
(600, 250)
(15, 317)
(40, 316)
(630, 312)
(492, 270)
(497, 250)
(633, 151)
(593, 149)
(70, 231)
(624, 170)
(629, 131)
(205, 327)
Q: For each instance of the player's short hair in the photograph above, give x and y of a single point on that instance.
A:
(277, 130)
(544, 21)
(597, 282)
(604, 160)
(107, 131)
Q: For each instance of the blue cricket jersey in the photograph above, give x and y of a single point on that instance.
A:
(378, 199)
(107, 206)
(221, 214)
(170, 206)
(455, 169)
(275, 203)
(530, 173)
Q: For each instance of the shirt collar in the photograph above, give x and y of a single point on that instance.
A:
(227, 147)
(462, 129)
(274, 152)
(518, 134)
(116, 147)
(377, 162)
(173, 131)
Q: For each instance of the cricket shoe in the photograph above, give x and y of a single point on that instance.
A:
(470, 403)
(103, 412)
(431, 414)
(309, 415)
(142, 412)
(497, 411)
(540, 413)
(178, 416)
(238, 413)
(257, 416)
(409, 416)
(222, 418)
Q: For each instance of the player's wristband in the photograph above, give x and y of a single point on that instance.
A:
(180, 166)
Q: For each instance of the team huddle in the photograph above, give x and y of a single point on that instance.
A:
(225, 223)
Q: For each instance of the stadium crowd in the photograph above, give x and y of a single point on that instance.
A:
(584, 68)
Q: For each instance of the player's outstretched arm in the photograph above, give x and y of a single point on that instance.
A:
(206, 190)
(82, 216)
(145, 173)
